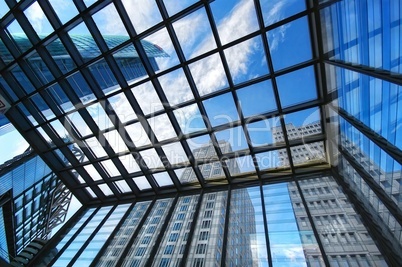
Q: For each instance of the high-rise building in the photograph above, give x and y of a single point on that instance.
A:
(34, 201)
(307, 95)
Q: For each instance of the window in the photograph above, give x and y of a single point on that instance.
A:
(203, 235)
(155, 220)
(198, 262)
(211, 197)
(173, 237)
(180, 216)
(186, 200)
(184, 208)
(209, 205)
(201, 248)
(164, 262)
(151, 229)
(206, 224)
(140, 251)
(177, 226)
(146, 240)
(208, 214)
(169, 249)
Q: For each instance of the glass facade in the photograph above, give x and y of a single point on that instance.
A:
(212, 133)
(230, 225)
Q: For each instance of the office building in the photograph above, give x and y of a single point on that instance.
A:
(251, 69)
(34, 201)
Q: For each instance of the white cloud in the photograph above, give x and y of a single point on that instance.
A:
(36, 16)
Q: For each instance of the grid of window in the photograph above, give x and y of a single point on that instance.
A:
(87, 83)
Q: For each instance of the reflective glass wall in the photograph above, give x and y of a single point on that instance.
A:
(308, 222)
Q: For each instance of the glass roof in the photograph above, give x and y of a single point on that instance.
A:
(167, 97)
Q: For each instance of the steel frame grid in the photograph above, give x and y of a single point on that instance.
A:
(107, 54)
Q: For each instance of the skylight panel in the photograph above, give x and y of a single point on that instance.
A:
(79, 123)
(274, 11)
(272, 159)
(175, 87)
(42, 107)
(162, 127)
(123, 186)
(129, 163)
(297, 87)
(151, 158)
(41, 26)
(138, 134)
(115, 141)
(212, 68)
(106, 189)
(147, 98)
(257, 99)
(234, 19)
(163, 179)
(110, 168)
(109, 24)
(194, 43)
(65, 10)
(142, 183)
(93, 173)
(99, 116)
(240, 165)
(261, 133)
(190, 119)
(290, 44)
(234, 136)
(80, 87)
(221, 109)
(303, 123)
(96, 147)
(122, 107)
(143, 15)
(162, 43)
(247, 60)
(175, 153)
(19, 36)
(174, 7)
(104, 76)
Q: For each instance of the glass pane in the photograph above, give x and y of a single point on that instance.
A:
(231, 140)
(290, 233)
(291, 93)
(282, 42)
(122, 107)
(246, 244)
(138, 134)
(175, 87)
(221, 109)
(162, 127)
(272, 159)
(115, 141)
(227, 14)
(160, 50)
(163, 179)
(212, 68)
(257, 99)
(189, 119)
(142, 183)
(151, 158)
(143, 15)
(263, 132)
(246, 60)
(194, 43)
(175, 153)
(276, 11)
(65, 10)
(38, 20)
(110, 29)
(147, 98)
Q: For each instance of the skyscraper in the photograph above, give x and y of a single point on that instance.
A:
(34, 201)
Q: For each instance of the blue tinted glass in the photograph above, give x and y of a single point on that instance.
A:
(221, 109)
(297, 87)
(257, 99)
(274, 11)
(290, 44)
